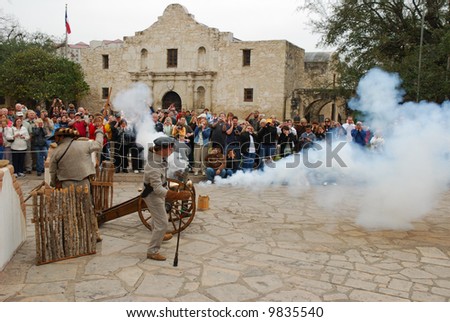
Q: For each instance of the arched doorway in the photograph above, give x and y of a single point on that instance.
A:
(171, 98)
(312, 111)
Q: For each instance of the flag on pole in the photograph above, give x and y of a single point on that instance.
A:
(67, 24)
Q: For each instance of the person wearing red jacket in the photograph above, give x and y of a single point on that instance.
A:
(79, 124)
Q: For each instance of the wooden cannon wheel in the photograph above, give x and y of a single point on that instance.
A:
(176, 210)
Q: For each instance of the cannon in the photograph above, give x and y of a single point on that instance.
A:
(177, 210)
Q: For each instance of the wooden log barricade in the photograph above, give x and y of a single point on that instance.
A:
(102, 187)
(64, 223)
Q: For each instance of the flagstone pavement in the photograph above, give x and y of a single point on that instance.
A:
(248, 246)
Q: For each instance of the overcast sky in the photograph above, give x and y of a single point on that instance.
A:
(114, 19)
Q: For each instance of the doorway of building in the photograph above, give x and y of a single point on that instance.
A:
(171, 98)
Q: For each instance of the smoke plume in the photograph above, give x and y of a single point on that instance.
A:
(134, 104)
(406, 181)
(401, 183)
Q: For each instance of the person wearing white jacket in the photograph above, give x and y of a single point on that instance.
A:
(19, 136)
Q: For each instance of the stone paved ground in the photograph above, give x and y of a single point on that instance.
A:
(249, 246)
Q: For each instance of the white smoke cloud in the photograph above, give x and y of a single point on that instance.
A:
(134, 103)
(401, 184)
(406, 182)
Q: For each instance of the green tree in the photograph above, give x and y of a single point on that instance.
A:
(14, 39)
(387, 34)
(38, 75)
(31, 70)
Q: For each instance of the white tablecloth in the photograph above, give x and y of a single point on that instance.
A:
(12, 220)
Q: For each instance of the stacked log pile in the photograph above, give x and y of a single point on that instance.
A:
(64, 222)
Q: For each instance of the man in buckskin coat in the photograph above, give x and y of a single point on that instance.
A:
(71, 162)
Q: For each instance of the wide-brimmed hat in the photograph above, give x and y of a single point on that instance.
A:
(68, 132)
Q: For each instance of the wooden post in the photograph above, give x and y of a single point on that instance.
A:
(36, 226)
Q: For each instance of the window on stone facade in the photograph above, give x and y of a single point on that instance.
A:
(105, 61)
(105, 92)
(248, 94)
(246, 57)
(172, 58)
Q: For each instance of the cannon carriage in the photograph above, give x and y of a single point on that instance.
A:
(102, 191)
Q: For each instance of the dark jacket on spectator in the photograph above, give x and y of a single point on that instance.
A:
(39, 137)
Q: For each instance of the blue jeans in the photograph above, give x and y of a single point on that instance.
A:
(265, 151)
(248, 162)
(41, 155)
(235, 148)
(1, 152)
(211, 173)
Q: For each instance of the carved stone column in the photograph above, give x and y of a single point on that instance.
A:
(190, 92)
(208, 94)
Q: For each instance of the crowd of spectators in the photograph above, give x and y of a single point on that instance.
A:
(210, 144)
(222, 144)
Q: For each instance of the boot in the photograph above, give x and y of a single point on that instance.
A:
(156, 256)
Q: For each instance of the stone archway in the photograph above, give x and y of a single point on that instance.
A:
(312, 111)
(171, 98)
(316, 104)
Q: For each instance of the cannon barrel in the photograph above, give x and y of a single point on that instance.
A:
(120, 210)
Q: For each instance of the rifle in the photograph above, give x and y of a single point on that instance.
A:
(39, 186)
(107, 107)
(175, 260)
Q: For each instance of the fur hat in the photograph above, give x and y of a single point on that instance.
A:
(65, 132)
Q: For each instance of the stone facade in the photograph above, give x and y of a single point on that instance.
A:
(209, 71)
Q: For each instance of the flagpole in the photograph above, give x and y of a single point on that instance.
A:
(420, 51)
(65, 27)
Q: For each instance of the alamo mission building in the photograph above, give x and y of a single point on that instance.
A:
(195, 66)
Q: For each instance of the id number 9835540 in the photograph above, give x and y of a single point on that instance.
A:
(295, 311)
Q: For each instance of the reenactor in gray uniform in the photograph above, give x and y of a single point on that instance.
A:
(156, 193)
